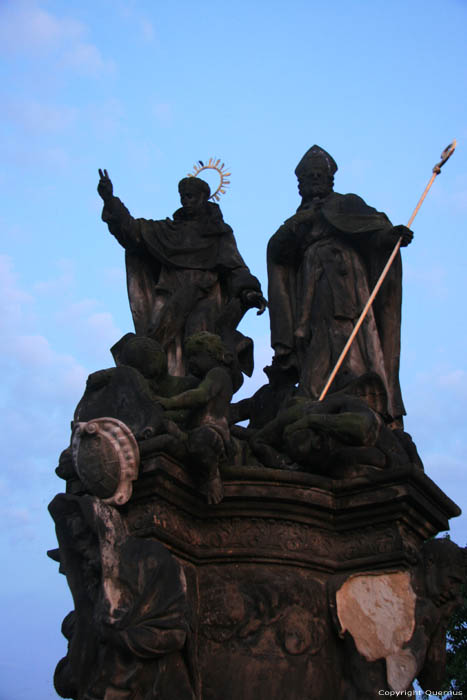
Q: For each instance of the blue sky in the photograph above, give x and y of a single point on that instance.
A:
(145, 89)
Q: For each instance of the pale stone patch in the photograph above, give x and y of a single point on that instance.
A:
(378, 610)
(401, 669)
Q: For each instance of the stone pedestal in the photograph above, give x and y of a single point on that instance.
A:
(264, 566)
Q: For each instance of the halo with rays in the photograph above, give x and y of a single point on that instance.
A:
(220, 168)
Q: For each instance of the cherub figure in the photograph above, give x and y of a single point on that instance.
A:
(150, 359)
(128, 392)
(207, 437)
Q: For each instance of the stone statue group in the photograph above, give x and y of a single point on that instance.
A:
(265, 595)
(189, 288)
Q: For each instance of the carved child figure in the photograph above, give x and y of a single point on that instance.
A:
(150, 359)
(208, 437)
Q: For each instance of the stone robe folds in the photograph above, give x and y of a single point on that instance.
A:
(184, 276)
(321, 270)
(130, 637)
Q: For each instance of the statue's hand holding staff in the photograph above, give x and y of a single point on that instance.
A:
(403, 233)
(105, 187)
(405, 236)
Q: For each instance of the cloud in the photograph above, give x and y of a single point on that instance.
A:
(87, 59)
(102, 329)
(27, 28)
(15, 303)
(87, 326)
(19, 523)
(437, 403)
(36, 158)
(34, 116)
(136, 19)
(42, 378)
(41, 384)
(64, 281)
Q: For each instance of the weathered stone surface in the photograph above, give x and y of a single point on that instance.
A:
(379, 612)
(106, 458)
(322, 264)
(330, 524)
(129, 635)
(185, 275)
(275, 575)
(289, 559)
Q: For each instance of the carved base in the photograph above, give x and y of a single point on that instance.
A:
(281, 517)
(263, 568)
(278, 573)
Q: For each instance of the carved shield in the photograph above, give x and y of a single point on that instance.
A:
(106, 458)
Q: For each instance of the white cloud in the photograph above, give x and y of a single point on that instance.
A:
(14, 302)
(87, 59)
(27, 28)
(20, 523)
(102, 329)
(87, 326)
(64, 281)
(41, 384)
(36, 116)
(136, 19)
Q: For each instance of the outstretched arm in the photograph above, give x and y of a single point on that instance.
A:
(121, 224)
(193, 398)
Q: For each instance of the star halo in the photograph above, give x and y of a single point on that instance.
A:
(220, 168)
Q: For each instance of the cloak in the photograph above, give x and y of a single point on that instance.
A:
(321, 270)
(184, 275)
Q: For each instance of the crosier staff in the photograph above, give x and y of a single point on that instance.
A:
(447, 153)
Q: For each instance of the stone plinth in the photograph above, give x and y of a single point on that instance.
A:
(263, 568)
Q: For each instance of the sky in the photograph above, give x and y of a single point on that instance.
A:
(145, 89)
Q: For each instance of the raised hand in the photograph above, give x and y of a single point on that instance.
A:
(104, 186)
